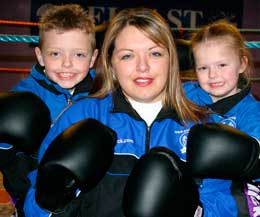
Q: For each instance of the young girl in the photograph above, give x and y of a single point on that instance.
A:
(223, 65)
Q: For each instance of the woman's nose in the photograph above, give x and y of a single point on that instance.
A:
(142, 63)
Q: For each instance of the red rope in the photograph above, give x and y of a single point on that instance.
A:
(19, 23)
(22, 70)
(98, 28)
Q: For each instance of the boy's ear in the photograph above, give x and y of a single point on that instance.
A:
(93, 58)
(38, 54)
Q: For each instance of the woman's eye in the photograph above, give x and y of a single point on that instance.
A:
(125, 57)
(156, 54)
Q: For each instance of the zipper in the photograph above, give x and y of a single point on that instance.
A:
(69, 103)
(147, 139)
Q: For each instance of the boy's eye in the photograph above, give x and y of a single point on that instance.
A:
(201, 69)
(222, 65)
(54, 54)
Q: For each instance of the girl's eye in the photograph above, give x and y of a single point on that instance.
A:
(221, 66)
(82, 55)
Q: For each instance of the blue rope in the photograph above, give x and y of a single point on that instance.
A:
(19, 38)
(252, 44)
(35, 39)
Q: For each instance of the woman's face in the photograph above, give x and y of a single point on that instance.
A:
(140, 65)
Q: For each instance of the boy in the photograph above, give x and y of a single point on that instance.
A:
(65, 54)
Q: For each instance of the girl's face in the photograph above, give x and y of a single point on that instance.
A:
(140, 65)
(67, 56)
(218, 66)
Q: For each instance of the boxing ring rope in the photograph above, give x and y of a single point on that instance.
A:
(98, 28)
(34, 39)
(18, 23)
(15, 70)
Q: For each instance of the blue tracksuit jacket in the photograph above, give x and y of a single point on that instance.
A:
(134, 139)
(241, 111)
(55, 97)
(57, 100)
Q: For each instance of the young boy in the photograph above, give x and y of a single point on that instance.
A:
(66, 53)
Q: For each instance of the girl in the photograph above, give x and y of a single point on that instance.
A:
(223, 65)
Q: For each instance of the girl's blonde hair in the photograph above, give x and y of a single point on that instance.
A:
(223, 30)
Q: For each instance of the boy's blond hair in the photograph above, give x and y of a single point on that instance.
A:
(66, 17)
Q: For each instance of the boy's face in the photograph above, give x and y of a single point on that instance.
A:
(218, 66)
(67, 56)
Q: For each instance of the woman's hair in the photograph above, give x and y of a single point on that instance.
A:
(64, 18)
(154, 26)
(228, 33)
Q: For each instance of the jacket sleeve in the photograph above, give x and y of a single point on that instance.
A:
(31, 208)
(71, 116)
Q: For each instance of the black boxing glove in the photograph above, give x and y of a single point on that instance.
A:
(216, 150)
(78, 158)
(24, 120)
(159, 186)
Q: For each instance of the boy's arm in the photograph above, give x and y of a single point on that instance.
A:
(24, 121)
(73, 115)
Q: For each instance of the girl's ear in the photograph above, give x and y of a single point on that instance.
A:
(38, 54)
(243, 64)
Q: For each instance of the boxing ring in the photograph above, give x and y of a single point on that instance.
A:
(34, 39)
(13, 38)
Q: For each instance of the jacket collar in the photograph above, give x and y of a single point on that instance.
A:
(38, 74)
(121, 104)
(224, 105)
